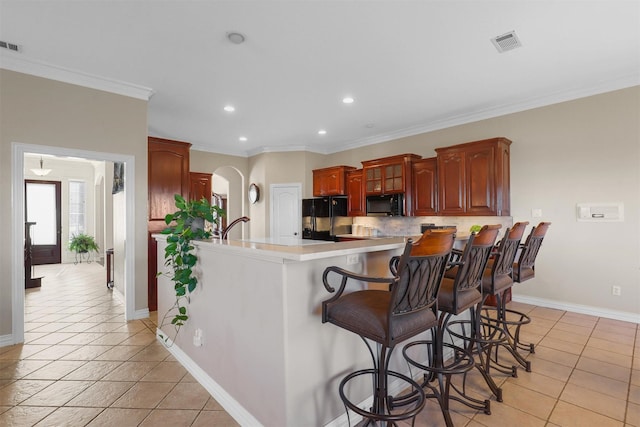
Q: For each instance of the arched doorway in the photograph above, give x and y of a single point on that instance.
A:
(229, 183)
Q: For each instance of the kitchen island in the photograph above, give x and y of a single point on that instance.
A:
(265, 354)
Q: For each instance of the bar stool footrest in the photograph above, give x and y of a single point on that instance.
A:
(511, 321)
(441, 370)
(489, 336)
(373, 415)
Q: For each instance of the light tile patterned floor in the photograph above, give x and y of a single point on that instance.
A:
(81, 364)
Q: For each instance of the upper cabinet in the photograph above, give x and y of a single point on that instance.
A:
(168, 168)
(473, 178)
(388, 175)
(200, 186)
(356, 204)
(330, 181)
(425, 196)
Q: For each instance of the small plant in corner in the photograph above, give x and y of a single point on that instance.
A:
(185, 225)
(82, 244)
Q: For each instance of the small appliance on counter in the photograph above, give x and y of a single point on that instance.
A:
(324, 218)
(431, 226)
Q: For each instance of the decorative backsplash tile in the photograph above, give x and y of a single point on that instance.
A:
(410, 226)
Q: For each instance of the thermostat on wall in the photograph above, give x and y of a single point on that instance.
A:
(600, 212)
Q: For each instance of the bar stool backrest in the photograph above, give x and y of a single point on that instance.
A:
(524, 269)
(474, 258)
(420, 272)
(507, 250)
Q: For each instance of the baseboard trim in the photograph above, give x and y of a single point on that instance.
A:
(141, 314)
(6, 340)
(232, 406)
(138, 314)
(578, 308)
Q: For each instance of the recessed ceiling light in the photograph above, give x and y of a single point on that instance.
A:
(322, 132)
(242, 139)
(235, 37)
(229, 108)
(348, 100)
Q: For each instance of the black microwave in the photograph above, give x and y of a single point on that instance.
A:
(387, 205)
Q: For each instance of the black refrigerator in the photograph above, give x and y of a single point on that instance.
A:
(324, 218)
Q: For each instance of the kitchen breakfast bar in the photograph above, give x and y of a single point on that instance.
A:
(265, 354)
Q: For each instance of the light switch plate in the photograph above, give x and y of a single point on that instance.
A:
(536, 213)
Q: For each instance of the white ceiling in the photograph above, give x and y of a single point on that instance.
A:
(412, 66)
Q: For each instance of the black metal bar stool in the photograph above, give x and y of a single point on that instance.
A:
(523, 270)
(385, 318)
(495, 282)
(458, 293)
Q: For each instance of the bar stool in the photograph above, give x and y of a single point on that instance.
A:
(495, 282)
(524, 269)
(385, 318)
(456, 296)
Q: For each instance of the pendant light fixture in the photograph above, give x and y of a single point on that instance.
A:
(41, 171)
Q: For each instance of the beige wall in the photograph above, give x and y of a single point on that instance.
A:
(587, 150)
(234, 170)
(279, 168)
(38, 111)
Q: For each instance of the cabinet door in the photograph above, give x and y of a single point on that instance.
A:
(373, 180)
(393, 176)
(200, 186)
(424, 187)
(330, 181)
(480, 172)
(168, 175)
(451, 183)
(355, 194)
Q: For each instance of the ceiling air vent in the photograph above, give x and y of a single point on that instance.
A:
(506, 42)
(10, 46)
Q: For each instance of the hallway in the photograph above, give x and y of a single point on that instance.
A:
(82, 364)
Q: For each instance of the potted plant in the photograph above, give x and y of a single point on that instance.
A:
(186, 224)
(82, 244)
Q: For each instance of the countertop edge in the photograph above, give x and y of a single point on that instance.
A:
(297, 253)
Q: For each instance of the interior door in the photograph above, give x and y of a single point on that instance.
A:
(42, 206)
(286, 210)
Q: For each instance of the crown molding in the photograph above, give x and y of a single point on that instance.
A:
(501, 110)
(21, 64)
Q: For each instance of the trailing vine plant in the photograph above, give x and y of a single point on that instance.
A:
(185, 225)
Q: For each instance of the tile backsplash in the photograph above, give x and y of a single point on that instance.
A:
(410, 225)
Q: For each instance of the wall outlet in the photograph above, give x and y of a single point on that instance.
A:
(353, 259)
(536, 213)
(616, 291)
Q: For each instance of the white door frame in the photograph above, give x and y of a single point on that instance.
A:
(17, 235)
(298, 188)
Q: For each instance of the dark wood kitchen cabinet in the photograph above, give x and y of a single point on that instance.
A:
(330, 181)
(200, 186)
(356, 202)
(425, 196)
(388, 175)
(168, 174)
(473, 178)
